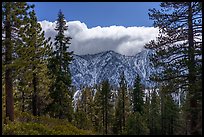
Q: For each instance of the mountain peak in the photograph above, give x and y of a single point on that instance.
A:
(111, 51)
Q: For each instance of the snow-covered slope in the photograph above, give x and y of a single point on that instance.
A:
(88, 70)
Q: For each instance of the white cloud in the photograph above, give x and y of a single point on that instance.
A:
(124, 40)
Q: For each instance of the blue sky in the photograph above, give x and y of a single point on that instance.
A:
(102, 14)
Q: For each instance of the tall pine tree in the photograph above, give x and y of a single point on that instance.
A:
(32, 54)
(60, 90)
(177, 51)
(13, 20)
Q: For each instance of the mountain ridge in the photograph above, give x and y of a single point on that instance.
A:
(91, 69)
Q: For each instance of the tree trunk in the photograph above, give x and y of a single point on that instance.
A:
(192, 76)
(9, 95)
(34, 99)
(38, 106)
(23, 101)
(8, 60)
(103, 118)
(60, 111)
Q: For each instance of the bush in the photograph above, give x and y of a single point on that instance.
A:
(27, 124)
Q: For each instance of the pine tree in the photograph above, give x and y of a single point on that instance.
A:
(136, 121)
(33, 55)
(60, 90)
(98, 113)
(121, 107)
(84, 111)
(138, 95)
(106, 106)
(169, 113)
(13, 20)
(177, 50)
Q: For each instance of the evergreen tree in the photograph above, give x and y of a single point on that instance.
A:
(13, 20)
(121, 107)
(60, 90)
(169, 113)
(152, 111)
(177, 50)
(33, 55)
(106, 106)
(136, 124)
(98, 113)
(84, 111)
(155, 114)
(138, 95)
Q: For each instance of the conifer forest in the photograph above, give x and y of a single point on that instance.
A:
(39, 98)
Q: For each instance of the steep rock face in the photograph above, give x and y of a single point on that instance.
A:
(88, 70)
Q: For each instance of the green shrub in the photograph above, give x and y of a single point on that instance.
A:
(27, 124)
